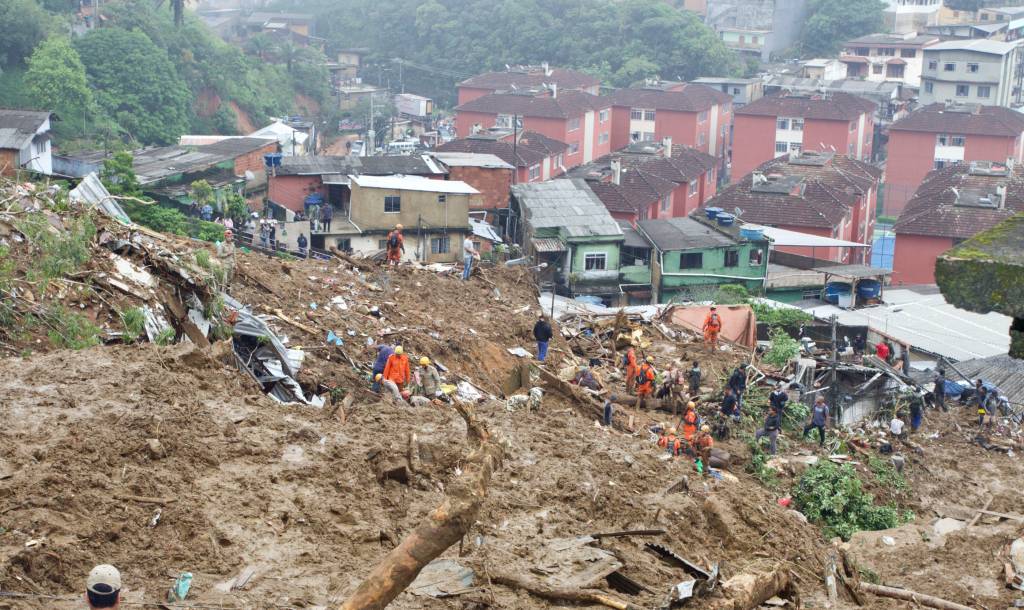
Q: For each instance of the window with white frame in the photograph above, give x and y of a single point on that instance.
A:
(506, 121)
(782, 124)
(795, 146)
(574, 147)
(574, 123)
(648, 115)
(558, 160)
(595, 261)
(440, 245)
(796, 125)
(933, 64)
(603, 138)
(949, 67)
(665, 202)
(984, 91)
(960, 141)
(602, 116)
(929, 86)
(963, 90)
(647, 136)
(702, 116)
(691, 188)
(701, 139)
(534, 172)
(781, 147)
(973, 67)
(636, 114)
(392, 204)
(756, 257)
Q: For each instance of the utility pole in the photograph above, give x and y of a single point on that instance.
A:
(834, 375)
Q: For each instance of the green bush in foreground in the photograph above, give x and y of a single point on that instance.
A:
(833, 497)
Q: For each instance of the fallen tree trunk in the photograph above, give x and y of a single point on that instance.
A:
(358, 264)
(912, 596)
(445, 526)
(561, 594)
(751, 589)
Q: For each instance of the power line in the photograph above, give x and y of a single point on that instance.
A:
(426, 68)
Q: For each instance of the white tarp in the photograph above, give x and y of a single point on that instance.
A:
(785, 237)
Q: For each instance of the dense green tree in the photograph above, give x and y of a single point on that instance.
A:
(118, 175)
(23, 23)
(56, 79)
(261, 45)
(832, 22)
(136, 84)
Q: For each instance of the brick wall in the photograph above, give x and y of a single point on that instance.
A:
(291, 191)
(8, 161)
(253, 161)
(494, 185)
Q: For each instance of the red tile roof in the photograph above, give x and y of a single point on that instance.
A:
(693, 98)
(566, 105)
(829, 107)
(966, 120)
(531, 76)
(532, 148)
(825, 192)
(934, 210)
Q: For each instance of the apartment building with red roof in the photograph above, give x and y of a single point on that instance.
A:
(581, 120)
(692, 115)
(649, 180)
(938, 135)
(525, 78)
(777, 125)
(535, 156)
(818, 193)
(953, 204)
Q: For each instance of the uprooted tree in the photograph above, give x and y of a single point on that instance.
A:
(445, 525)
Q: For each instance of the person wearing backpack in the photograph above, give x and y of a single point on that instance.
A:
(395, 246)
(712, 327)
(645, 382)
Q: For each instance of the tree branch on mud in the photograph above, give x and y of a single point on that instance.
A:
(445, 525)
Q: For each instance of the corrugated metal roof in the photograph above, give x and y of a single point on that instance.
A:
(853, 271)
(548, 244)
(468, 159)
(414, 183)
(927, 322)
(978, 45)
(683, 233)
(1004, 372)
(568, 205)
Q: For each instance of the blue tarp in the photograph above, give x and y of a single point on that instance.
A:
(314, 199)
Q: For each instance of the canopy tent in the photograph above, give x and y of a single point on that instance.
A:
(785, 237)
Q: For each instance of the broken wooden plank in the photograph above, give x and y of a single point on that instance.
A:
(620, 534)
(912, 596)
(977, 515)
(145, 499)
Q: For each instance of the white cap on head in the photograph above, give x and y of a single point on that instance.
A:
(103, 580)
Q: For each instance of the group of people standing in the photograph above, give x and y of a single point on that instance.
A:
(394, 248)
(392, 372)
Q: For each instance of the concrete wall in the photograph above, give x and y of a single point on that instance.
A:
(914, 258)
(754, 143)
(994, 71)
(416, 207)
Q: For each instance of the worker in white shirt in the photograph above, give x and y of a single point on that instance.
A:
(469, 254)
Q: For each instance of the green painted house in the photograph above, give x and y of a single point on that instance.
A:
(692, 255)
(564, 224)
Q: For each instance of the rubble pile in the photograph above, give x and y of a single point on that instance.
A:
(233, 445)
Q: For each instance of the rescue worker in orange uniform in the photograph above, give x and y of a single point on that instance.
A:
(397, 368)
(644, 382)
(690, 421)
(702, 444)
(395, 245)
(669, 442)
(631, 370)
(712, 327)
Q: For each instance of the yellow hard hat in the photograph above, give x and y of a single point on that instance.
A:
(650, 359)
(691, 405)
(671, 430)
(424, 361)
(399, 350)
(378, 377)
(705, 428)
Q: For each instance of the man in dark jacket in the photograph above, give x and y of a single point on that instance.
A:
(730, 407)
(384, 352)
(694, 377)
(939, 391)
(738, 383)
(772, 424)
(542, 333)
(778, 399)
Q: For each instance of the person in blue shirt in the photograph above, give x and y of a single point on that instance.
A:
(303, 243)
(738, 383)
(384, 352)
(206, 213)
(730, 406)
(819, 419)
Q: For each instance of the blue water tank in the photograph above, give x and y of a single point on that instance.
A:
(725, 220)
(272, 159)
(869, 289)
(834, 289)
(713, 212)
(752, 234)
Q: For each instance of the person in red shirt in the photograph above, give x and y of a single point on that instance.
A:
(644, 382)
(397, 368)
(882, 351)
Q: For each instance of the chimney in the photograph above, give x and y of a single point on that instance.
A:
(554, 89)
(616, 171)
(666, 146)
(1001, 193)
(547, 69)
(757, 178)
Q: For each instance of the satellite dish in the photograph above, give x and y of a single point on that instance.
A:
(249, 175)
(737, 212)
